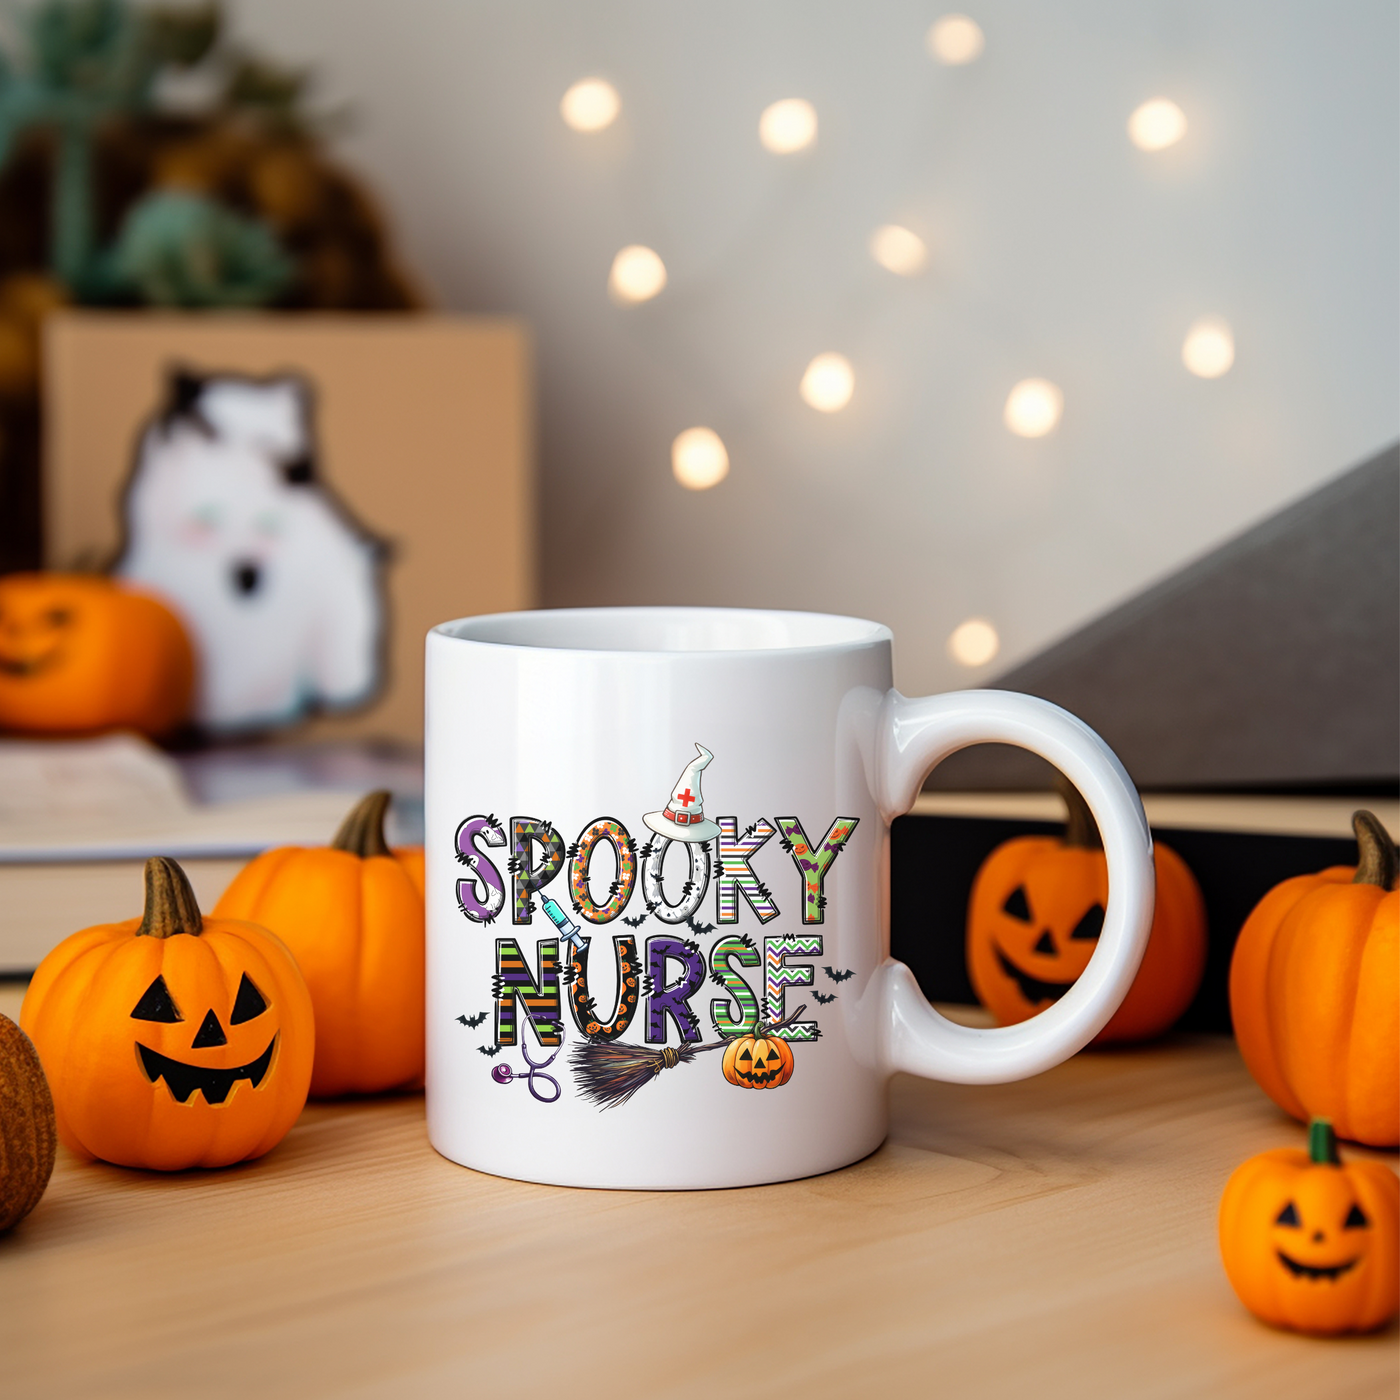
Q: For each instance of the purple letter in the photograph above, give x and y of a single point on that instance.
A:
(483, 894)
(673, 1001)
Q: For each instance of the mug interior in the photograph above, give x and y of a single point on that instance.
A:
(666, 630)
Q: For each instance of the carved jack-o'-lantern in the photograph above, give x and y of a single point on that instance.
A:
(80, 654)
(172, 1041)
(1311, 1244)
(1034, 919)
(758, 1061)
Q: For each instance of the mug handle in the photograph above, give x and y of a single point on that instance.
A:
(915, 735)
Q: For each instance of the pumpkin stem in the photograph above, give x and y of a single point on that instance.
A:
(1081, 830)
(1322, 1143)
(1378, 864)
(362, 832)
(171, 907)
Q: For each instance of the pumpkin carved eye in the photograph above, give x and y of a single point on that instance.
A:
(248, 1003)
(156, 1004)
(1356, 1219)
(1091, 925)
(1288, 1216)
(1017, 905)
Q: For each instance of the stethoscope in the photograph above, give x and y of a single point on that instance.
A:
(503, 1074)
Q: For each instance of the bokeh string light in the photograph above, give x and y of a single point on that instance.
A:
(699, 459)
(828, 383)
(1033, 408)
(637, 274)
(788, 126)
(955, 40)
(1156, 125)
(590, 105)
(1209, 348)
(974, 642)
(898, 249)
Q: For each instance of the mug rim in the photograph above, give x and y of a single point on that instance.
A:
(847, 633)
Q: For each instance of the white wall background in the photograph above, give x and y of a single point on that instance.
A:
(1057, 250)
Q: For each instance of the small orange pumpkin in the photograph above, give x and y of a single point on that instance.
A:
(172, 1040)
(758, 1061)
(1314, 994)
(352, 913)
(81, 653)
(1310, 1244)
(27, 1132)
(1034, 918)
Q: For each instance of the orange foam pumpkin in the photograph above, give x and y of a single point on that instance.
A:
(1315, 997)
(1310, 1244)
(80, 654)
(172, 1040)
(1034, 919)
(352, 913)
(758, 1061)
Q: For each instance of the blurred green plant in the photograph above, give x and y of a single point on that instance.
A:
(87, 62)
(178, 248)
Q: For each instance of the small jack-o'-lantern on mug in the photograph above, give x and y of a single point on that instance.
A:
(80, 653)
(758, 1061)
(172, 1040)
(1310, 1244)
(1034, 919)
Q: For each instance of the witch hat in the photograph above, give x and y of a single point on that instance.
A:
(684, 817)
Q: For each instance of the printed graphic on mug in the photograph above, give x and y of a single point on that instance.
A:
(543, 991)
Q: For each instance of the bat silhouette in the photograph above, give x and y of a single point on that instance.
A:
(634, 923)
(837, 976)
(821, 998)
(473, 1021)
(489, 1049)
(700, 929)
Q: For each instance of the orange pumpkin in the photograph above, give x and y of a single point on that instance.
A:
(27, 1132)
(82, 653)
(1314, 993)
(758, 1061)
(353, 915)
(1310, 1244)
(172, 1040)
(1034, 918)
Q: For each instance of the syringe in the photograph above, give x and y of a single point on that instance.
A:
(569, 931)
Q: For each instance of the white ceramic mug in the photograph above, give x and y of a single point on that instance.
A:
(658, 894)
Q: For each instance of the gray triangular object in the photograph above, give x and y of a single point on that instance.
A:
(1272, 663)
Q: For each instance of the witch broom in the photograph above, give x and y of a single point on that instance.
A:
(609, 1074)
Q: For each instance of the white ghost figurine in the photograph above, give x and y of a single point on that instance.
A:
(279, 586)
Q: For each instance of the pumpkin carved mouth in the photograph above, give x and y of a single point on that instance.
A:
(1032, 988)
(1315, 1271)
(28, 665)
(215, 1084)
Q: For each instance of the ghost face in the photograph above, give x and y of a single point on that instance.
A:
(280, 589)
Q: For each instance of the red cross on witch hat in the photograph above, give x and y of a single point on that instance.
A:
(684, 818)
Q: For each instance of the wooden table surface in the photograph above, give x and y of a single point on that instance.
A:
(1045, 1239)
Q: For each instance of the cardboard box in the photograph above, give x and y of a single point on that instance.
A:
(425, 427)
